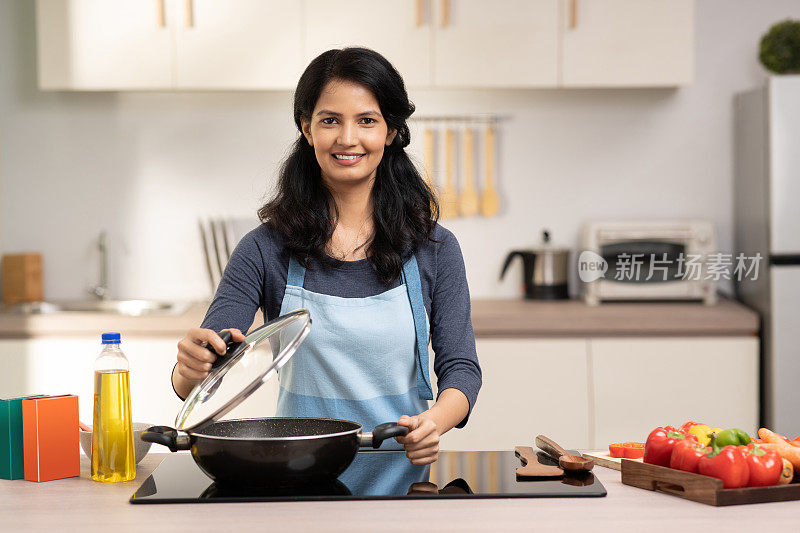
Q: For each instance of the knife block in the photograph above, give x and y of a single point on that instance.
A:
(50, 437)
(22, 278)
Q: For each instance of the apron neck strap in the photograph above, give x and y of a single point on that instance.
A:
(413, 285)
(296, 274)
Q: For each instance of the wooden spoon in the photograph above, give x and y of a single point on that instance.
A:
(566, 460)
(448, 200)
(468, 201)
(490, 204)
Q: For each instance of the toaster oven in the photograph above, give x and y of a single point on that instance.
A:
(647, 260)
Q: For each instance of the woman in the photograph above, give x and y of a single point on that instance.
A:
(352, 236)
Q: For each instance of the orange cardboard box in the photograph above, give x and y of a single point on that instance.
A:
(50, 437)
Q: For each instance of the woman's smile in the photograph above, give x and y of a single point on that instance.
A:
(348, 158)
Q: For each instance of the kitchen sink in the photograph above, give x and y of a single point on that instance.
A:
(118, 307)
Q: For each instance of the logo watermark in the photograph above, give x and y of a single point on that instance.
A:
(663, 267)
(591, 266)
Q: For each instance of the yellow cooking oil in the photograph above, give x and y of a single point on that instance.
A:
(113, 457)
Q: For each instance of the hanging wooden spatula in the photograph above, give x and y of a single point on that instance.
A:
(429, 155)
(468, 200)
(490, 204)
(448, 200)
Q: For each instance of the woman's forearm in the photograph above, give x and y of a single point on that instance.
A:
(450, 408)
(182, 385)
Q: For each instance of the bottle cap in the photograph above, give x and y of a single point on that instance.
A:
(111, 338)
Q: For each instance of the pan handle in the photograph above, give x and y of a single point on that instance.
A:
(166, 436)
(381, 433)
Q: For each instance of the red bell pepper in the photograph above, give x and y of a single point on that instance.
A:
(686, 454)
(660, 443)
(727, 464)
(765, 466)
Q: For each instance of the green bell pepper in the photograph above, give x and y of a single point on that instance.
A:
(734, 437)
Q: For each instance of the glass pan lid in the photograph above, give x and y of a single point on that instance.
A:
(247, 367)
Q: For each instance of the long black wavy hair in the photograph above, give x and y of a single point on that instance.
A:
(405, 210)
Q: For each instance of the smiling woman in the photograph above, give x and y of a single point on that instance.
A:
(352, 235)
(351, 107)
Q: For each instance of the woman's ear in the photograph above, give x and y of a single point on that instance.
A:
(390, 136)
(306, 127)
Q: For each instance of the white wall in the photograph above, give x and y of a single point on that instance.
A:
(144, 166)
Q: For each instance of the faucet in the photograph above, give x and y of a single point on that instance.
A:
(100, 291)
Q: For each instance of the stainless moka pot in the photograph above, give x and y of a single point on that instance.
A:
(545, 269)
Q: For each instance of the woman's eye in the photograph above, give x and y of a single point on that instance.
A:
(328, 120)
(370, 120)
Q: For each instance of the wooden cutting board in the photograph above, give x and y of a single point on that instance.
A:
(603, 458)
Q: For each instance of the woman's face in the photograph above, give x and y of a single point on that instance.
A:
(348, 133)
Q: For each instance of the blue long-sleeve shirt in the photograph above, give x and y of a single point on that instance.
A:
(255, 278)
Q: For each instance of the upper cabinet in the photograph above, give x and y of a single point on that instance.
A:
(238, 44)
(505, 43)
(627, 43)
(169, 44)
(103, 44)
(266, 44)
(400, 30)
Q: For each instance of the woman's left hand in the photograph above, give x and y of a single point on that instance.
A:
(422, 441)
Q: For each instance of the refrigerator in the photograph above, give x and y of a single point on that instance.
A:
(767, 222)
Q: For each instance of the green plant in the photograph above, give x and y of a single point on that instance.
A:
(780, 47)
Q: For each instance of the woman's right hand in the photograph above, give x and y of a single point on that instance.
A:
(194, 352)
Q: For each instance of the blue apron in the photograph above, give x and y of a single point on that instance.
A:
(365, 359)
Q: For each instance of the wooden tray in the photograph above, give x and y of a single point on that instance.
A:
(699, 488)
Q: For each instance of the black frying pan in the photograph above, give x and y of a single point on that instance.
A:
(273, 451)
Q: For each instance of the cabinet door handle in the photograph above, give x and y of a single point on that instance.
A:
(573, 14)
(419, 12)
(445, 13)
(189, 13)
(161, 15)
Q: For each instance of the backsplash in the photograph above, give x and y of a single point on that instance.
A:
(144, 166)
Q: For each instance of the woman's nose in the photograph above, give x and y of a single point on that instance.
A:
(348, 135)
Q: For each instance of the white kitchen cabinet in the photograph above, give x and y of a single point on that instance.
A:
(238, 44)
(169, 44)
(399, 30)
(64, 365)
(642, 383)
(584, 393)
(104, 44)
(627, 43)
(530, 386)
(505, 43)
(266, 44)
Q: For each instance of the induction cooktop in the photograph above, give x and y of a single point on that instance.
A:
(375, 475)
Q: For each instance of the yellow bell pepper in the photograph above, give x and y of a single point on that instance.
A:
(703, 433)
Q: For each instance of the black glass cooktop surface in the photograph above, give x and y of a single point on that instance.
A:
(375, 475)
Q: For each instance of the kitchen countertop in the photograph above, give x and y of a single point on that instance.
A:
(490, 318)
(570, 318)
(81, 504)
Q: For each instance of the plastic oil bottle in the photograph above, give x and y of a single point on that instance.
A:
(113, 456)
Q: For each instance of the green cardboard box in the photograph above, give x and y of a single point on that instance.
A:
(11, 456)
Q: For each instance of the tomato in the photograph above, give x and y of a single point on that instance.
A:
(616, 450)
(634, 450)
(628, 450)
